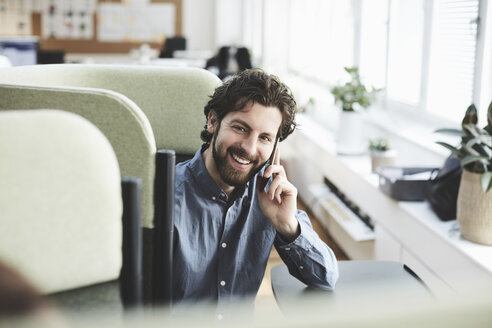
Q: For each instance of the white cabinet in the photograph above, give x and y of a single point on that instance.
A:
(386, 247)
(439, 288)
(389, 248)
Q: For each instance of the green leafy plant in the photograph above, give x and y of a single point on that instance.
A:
(475, 149)
(354, 92)
(379, 145)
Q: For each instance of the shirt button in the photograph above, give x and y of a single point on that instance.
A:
(287, 248)
(222, 283)
(224, 245)
(220, 316)
(301, 267)
(214, 198)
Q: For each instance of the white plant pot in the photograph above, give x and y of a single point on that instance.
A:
(382, 158)
(350, 139)
(474, 210)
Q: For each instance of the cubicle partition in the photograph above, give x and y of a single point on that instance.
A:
(65, 225)
(172, 99)
(140, 109)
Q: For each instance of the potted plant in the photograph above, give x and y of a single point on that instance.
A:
(474, 204)
(354, 93)
(382, 153)
(352, 96)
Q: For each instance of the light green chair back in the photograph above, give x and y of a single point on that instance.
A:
(119, 118)
(171, 98)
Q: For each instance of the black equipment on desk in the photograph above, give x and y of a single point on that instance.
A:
(405, 183)
(442, 193)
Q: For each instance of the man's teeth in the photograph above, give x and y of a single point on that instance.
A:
(240, 160)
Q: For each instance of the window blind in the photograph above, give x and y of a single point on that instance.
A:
(452, 69)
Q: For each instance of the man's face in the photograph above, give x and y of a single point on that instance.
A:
(243, 142)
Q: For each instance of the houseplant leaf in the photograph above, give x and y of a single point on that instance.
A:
(353, 92)
(455, 132)
(486, 181)
(484, 140)
(472, 129)
(473, 158)
(488, 128)
(471, 116)
(453, 149)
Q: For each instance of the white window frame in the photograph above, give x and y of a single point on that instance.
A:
(418, 114)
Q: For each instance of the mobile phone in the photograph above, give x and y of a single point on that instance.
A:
(264, 181)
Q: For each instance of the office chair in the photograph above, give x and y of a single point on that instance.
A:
(121, 121)
(171, 100)
(50, 56)
(129, 133)
(229, 61)
(68, 220)
(171, 45)
(243, 59)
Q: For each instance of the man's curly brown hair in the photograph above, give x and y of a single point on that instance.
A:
(256, 86)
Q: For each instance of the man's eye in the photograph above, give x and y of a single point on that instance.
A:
(239, 128)
(264, 138)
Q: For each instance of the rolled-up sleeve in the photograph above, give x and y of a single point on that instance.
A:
(308, 258)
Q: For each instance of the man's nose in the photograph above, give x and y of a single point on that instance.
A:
(249, 145)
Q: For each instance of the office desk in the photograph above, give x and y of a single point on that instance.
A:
(406, 232)
(374, 283)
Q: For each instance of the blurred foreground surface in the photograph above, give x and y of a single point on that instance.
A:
(356, 308)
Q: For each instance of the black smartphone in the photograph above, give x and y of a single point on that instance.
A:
(264, 181)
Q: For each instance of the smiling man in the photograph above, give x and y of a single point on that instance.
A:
(226, 221)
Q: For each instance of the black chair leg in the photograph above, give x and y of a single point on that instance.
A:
(163, 225)
(131, 282)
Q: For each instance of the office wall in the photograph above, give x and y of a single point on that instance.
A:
(199, 21)
(210, 24)
(228, 29)
(207, 24)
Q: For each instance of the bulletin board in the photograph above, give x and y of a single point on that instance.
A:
(108, 26)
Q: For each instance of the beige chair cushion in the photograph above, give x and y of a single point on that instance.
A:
(119, 118)
(60, 200)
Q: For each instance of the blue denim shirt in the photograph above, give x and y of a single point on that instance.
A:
(221, 245)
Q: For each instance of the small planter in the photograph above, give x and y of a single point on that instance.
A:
(382, 158)
(474, 210)
(349, 135)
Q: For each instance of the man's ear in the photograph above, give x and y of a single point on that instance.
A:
(211, 122)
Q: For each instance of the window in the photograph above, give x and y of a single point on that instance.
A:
(453, 52)
(424, 53)
(374, 45)
(406, 31)
(321, 38)
(253, 26)
(274, 34)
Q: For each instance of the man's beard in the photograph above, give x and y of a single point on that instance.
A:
(228, 174)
